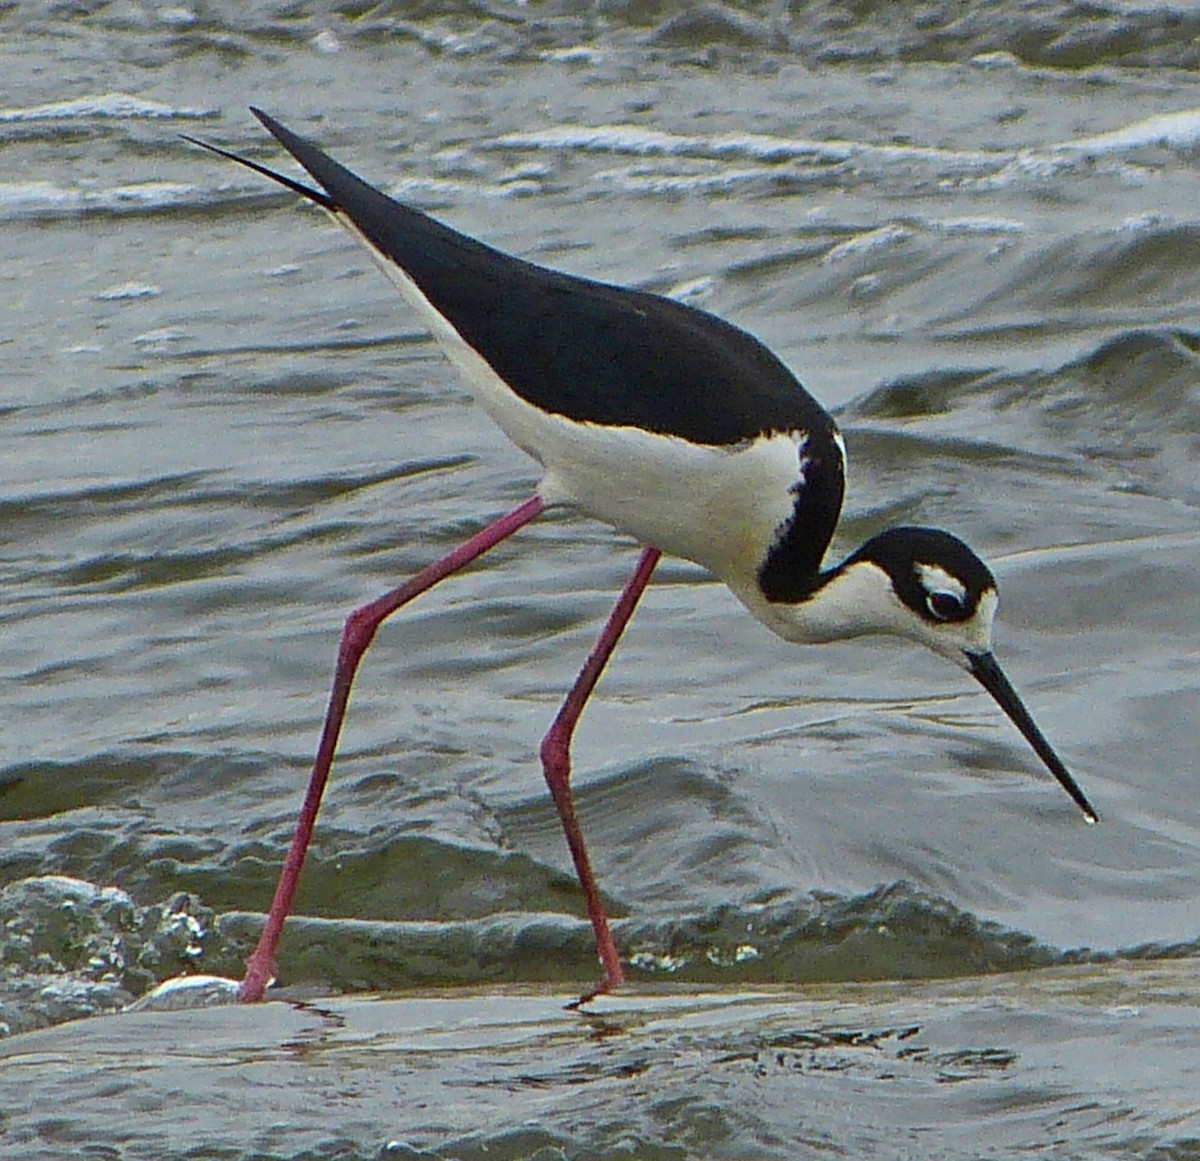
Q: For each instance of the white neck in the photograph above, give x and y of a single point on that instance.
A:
(856, 601)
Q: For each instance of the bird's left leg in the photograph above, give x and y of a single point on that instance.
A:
(357, 634)
(556, 766)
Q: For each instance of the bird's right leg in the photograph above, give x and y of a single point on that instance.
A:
(358, 633)
(556, 766)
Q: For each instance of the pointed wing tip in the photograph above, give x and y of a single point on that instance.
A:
(281, 133)
(313, 195)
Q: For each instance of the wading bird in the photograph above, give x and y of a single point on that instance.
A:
(670, 425)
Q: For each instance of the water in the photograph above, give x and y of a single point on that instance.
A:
(973, 235)
(931, 1070)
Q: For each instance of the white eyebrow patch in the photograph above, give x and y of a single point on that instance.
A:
(936, 579)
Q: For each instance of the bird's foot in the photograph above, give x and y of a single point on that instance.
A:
(606, 986)
(260, 975)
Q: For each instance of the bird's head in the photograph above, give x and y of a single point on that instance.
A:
(927, 586)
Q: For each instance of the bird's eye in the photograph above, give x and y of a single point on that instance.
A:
(945, 606)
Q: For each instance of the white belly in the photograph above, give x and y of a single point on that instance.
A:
(720, 507)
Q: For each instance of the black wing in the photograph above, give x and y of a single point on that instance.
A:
(571, 346)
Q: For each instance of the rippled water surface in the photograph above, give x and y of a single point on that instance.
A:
(973, 233)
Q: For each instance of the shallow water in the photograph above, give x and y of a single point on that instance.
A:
(973, 236)
(1059, 1063)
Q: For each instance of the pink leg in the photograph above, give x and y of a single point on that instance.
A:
(556, 766)
(359, 630)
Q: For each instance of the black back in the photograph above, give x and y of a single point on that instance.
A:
(581, 349)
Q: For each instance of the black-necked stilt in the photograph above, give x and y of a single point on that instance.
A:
(669, 424)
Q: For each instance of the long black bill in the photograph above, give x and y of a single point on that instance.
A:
(988, 673)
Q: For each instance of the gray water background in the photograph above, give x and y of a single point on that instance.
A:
(973, 234)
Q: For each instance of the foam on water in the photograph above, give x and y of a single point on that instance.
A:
(1177, 131)
(1180, 131)
(633, 139)
(34, 199)
(114, 105)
